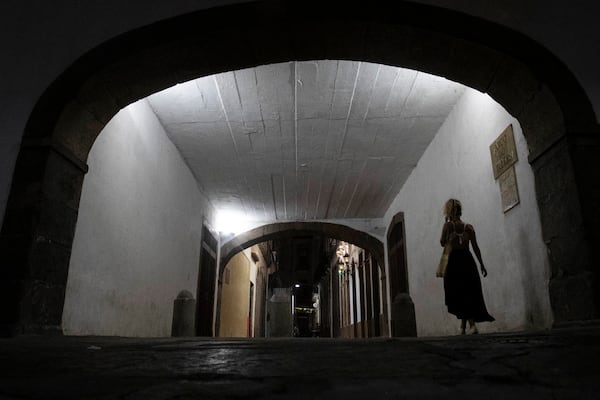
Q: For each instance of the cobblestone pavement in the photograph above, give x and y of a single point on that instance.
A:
(556, 364)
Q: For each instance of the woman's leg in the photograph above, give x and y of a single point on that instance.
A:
(473, 329)
(463, 326)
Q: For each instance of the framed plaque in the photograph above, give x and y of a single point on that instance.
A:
(503, 152)
(509, 190)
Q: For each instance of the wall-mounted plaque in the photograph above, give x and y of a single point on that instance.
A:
(509, 189)
(504, 152)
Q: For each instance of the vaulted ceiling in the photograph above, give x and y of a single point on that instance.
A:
(305, 140)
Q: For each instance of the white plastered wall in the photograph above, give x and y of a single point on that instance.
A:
(137, 238)
(457, 164)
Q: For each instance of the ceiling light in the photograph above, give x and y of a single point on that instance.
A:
(232, 222)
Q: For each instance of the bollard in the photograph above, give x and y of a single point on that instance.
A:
(184, 310)
(403, 316)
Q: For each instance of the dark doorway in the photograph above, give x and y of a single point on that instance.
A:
(206, 284)
(397, 257)
(403, 310)
(250, 308)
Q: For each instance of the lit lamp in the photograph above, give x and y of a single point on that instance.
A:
(343, 262)
(341, 265)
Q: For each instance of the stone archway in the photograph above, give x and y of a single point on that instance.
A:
(370, 244)
(532, 84)
(324, 229)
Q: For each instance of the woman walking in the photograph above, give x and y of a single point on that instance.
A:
(462, 285)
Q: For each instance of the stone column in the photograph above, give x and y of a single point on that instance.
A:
(335, 302)
(361, 290)
(376, 298)
(346, 302)
(365, 298)
(354, 301)
(368, 296)
(567, 180)
(37, 235)
(342, 303)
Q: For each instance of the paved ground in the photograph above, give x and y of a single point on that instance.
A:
(557, 364)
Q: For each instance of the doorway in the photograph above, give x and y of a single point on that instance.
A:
(403, 321)
(206, 284)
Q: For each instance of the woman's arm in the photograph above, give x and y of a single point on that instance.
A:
(476, 250)
(444, 238)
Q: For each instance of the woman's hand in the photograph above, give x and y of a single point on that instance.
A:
(483, 271)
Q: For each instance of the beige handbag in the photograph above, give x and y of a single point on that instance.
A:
(441, 270)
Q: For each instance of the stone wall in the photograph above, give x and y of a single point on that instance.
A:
(457, 164)
(137, 238)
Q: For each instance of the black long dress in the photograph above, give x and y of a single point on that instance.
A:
(462, 287)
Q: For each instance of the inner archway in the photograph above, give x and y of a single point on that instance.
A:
(325, 229)
(334, 287)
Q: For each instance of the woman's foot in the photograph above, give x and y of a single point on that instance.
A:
(473, 330)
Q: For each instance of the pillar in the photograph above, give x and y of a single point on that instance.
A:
(363, 302)
(36, 237)
(376, 297)
(354, 300)
(368, 297)
(567, 181)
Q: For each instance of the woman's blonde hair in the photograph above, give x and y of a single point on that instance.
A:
(452, 209)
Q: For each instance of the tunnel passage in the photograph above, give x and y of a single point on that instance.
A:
(526, 79)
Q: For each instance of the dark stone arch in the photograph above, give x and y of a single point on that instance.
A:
(530, 82)
(324, 229)
(516, 71)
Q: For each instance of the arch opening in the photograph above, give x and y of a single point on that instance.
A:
(309, 284)
(528, 81)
